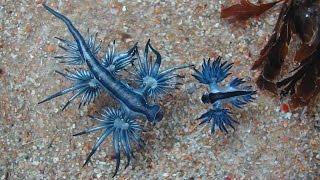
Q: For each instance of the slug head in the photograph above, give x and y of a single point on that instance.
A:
(205, 98)
(156, 114)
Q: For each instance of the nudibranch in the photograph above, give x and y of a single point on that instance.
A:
(136, 101)
(235, 93)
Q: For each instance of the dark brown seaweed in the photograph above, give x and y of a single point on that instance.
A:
(300, 17)
(245, 10)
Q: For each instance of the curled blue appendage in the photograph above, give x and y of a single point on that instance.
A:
(124, 131)
(150, 78)
(236, 82)
(115, 61)
(240, 101)
(72, 54)
(234, 93)
(219, 118)
(83, 84)
(214, 72)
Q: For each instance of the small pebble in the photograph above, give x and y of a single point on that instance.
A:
(51, 48)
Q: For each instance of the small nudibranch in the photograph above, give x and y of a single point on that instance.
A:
(212, 74)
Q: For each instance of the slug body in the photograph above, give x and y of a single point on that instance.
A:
(214, 97)
(121, 122)
(132, 100)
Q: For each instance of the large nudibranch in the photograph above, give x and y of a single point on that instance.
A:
(102, 76)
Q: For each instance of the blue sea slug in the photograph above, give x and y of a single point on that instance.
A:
(135, 102)
(235, 93)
